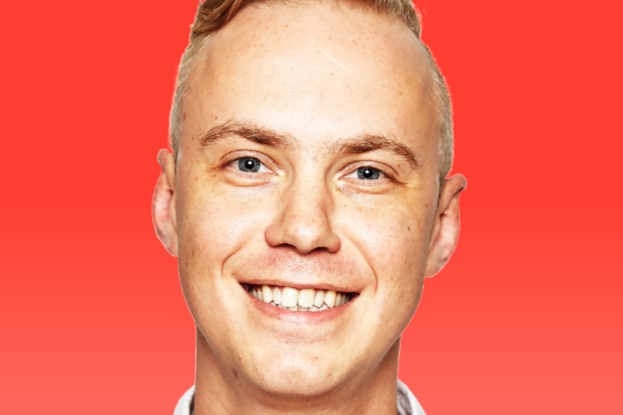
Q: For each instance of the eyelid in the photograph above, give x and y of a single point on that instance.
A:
(386, 171)
(236, 155)
(236, 162)
(229, 162)
(355, 174)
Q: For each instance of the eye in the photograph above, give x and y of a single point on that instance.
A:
(249, 164)
(368, 173)
(369, 176)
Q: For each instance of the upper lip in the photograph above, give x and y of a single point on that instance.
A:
(298, 285)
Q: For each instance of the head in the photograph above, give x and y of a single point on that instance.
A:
(307, 196)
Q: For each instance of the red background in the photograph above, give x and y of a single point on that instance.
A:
(527, 318)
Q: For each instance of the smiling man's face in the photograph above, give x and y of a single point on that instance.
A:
(306, 206)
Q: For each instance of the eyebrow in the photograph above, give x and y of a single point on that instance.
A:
(255, 133)
(371, 142)
(265, 136)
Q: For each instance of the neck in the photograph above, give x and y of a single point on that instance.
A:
(220, 390)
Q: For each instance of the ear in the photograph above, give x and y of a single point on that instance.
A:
(163, 203)
(447, 224)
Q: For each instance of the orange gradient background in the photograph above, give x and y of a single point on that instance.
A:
(526, 319)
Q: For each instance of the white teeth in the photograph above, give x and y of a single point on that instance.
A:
(276, 295)
(329, 298)
(319, 299)
(267, 294)
(307, 299)
(289, 297)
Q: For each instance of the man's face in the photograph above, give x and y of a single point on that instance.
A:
(308, 165)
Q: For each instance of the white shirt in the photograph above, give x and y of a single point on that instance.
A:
(406, 401)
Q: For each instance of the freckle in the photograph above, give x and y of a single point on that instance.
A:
(184, 116)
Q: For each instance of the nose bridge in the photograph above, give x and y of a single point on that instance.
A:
(304, 217)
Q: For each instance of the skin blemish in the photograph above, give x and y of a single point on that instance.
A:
(334, 61)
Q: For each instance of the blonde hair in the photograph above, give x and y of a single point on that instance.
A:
(214, 14)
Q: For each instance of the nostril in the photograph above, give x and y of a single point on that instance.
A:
(302, 235)
(303, 219)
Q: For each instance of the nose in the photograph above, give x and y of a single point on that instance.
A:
(303, 221)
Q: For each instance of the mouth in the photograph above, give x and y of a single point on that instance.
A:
(292, 299)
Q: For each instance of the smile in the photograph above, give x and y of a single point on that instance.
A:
(307, 299)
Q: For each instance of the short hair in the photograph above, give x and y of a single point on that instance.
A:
(214, 14)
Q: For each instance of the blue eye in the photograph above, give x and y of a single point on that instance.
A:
(249, 165)
(368, 173)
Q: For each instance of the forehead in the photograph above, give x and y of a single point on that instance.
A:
(314, 70)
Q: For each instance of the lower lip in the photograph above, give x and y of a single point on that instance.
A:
(300, 317)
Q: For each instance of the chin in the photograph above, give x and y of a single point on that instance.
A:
(293, 370)
(297, 382)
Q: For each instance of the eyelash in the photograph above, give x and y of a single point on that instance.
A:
(264, 167)
(360, 170)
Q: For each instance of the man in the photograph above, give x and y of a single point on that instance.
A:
(306, 198)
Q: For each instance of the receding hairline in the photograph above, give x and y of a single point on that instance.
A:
(212, 15)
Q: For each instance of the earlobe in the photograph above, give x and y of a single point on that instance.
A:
(447, 225)
(163, 203)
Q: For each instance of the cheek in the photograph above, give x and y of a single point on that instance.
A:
(400, 259)
(211, 229)
(393, 233)
(394, 242)
(392, 246)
